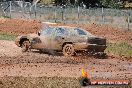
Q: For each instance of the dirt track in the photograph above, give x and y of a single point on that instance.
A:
(33, 64)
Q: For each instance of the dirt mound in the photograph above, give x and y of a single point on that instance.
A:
(110, 32)
(20, 26)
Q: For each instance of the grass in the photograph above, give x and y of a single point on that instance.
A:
(7, 36)
(4, 17)
(120, 48)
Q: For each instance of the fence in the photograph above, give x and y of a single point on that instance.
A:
(74, 15)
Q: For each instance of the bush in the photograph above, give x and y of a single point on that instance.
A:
(111, 3)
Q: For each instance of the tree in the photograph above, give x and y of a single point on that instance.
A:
(111, 3)
(92, 3)
(88, 3)
(60, 2)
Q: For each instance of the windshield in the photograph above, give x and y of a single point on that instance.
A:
(62, 31)
(82, 32)
(47, 31)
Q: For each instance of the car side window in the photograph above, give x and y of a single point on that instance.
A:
(80, 32)
(62, 31)
(47, 31)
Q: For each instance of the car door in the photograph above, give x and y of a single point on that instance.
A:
(81, 35)
(46, 36)
(58, 38)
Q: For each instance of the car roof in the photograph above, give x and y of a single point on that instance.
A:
(67, 27)
(48, 23)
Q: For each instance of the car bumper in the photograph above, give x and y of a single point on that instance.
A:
(90, 47)
(96, 48)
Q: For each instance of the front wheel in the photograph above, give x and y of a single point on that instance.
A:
(68, 50)
(25, 46)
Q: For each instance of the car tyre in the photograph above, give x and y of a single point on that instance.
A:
(68, 50)
(25, 46)
(101, 55)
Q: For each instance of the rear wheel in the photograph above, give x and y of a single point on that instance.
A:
(101, 55)
(25, 46)
(68, 50)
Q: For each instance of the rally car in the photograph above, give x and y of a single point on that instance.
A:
(65, 39)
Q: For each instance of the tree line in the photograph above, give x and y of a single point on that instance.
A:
(92, 3)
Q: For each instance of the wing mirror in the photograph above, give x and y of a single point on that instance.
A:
(38, 33)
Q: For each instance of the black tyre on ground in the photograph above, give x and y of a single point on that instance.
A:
(101, 55)
(68, 50)
(25, 46)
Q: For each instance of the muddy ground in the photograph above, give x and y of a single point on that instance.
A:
(40, 70)
(14, 63)
(35, 64)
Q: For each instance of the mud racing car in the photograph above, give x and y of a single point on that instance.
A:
(65, 39)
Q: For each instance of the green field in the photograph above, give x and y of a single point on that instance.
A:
(120, 48)
(7, 36)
